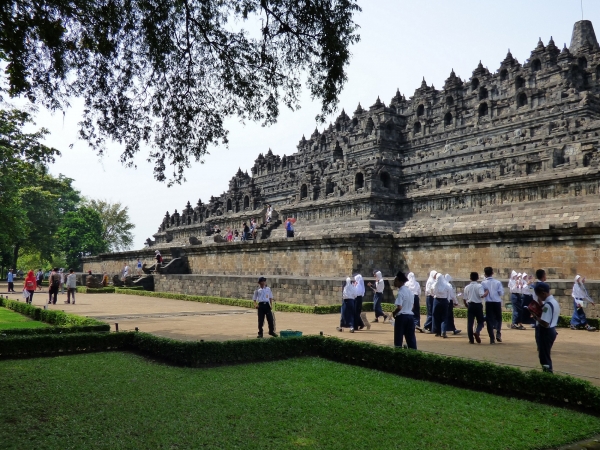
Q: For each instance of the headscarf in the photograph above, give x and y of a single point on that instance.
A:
(579, 291)
(378, 276)
(349, 290)
(512, 282)
(452, 296)
(577, 278)
(413, 284)
(430, 282)
(448, 278)
(440, 283)
(360, 285)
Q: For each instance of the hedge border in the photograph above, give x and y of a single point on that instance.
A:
(64, 322)
(475, 375)
(461, 313)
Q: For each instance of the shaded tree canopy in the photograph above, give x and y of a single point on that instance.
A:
(169, 72)
(116, 225)
(80, 234)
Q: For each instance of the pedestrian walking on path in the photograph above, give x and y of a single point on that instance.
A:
(404, 323)
(473, 296)
(580, 299)
(263, 302)
(54, 285)
(71, 286)
(10, 278)
(429, 300)
(415, 288)
(348, 310)
(441, 293)
(545, 332)
(30, 285)
(360, 318)
(493, 305)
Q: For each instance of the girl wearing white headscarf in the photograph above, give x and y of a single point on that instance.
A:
(515, 285)
(580, 297)
(378, 296)
(415, 288)
(441, 293)
(348, 296)
(429, 300)
(360, 318)
(527, 298)
(452, 302)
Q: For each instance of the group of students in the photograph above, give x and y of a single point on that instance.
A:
(56, 283)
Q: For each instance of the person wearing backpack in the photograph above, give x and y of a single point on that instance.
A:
(30, 285)
(54, 285)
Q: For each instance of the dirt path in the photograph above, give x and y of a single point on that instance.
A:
(575, 352)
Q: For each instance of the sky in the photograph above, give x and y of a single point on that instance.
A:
(402, 41)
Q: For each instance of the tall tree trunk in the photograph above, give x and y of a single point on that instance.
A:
(16, 256)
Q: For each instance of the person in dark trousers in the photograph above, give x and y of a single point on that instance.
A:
(39, 279)
(404, 325)
(10, 278)
(545, 332)
(263, 301)
(527, 296)
(30, 286)
(473, 296)
(378, 296)
(348, 308)
(415, 288)
(441, 293)
(54, 285)
(493, 305)
(360, 319)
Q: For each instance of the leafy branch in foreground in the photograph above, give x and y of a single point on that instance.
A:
(168, 73)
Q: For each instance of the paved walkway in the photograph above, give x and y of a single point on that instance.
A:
(575, 352)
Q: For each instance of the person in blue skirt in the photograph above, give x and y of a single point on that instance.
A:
(580, 297)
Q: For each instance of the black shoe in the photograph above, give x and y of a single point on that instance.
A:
(492, 341)
(272, 333)
(420, 329)
(498, 338)
(385, 317)
(444, 336)
(477, 338)
(471, 342)
(457, 331)
(259, 336)
(438, 335)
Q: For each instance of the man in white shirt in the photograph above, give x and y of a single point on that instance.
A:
(71, 286)
(545, 331)
(473, 296)
(263, 301)
(404, 327)
(493, 305)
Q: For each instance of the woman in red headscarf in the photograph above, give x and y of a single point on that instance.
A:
(30, 285)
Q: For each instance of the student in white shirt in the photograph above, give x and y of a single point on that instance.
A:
(515, 285)
(71, 286)
(527, 298)
(404, 325)
(545, 332)
(441, 293)
(473, 296)
(429, 300)
(263, 301)
(415, 288)
(360, 318)
(493, 305)
(452, 302)
(580, 297)
(378, 296)
(348, 311)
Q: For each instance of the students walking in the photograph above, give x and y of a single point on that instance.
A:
(545, 332)
(515, 286)
(415, 288)
(473, 296)
(360, 318)
(429, 300)
(493, 305)
(62, 281)
(30, 285)
(39, 279)
(527, 298)
(452, 302)
(580, 297)
(404, 325)
(263, 302)
(378, 296)
(348, 311)
(54, 285)
(441, 293)
(71, 286)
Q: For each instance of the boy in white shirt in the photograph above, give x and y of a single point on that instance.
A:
(545, 332)
(71, 286)
(263, 301)
(404, 327)
(473, 296)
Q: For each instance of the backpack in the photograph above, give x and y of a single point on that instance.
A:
(55, 280)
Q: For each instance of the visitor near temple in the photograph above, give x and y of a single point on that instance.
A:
(30, 285)
(263, 302)
(404, 323)
(473, 296)
(10, 278)
(348, 311)
(580, 300)
(378, 296)
(545, 332)
(429, 300)
(493, 305)
(360, 318)
(415, 288)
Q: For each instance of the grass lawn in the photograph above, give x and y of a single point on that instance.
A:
(10, 320)
(120, 400)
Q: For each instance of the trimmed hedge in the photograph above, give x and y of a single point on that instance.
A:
(87, 290)
(53, 317)
(244, 303)
(533, 385)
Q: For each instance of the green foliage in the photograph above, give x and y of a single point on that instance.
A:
(104, 290)
(10, 320)
(80, 234)
(170, 73)
(116, 224)
(53, 344)
(51, 316)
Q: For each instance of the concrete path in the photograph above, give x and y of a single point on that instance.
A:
(575, 352)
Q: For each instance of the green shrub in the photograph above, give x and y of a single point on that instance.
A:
(56, 330)
(51, 316)
(502, 380)
(87, 290)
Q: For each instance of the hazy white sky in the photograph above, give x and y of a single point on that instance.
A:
(401, 41)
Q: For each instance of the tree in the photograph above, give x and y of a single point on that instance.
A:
(23, 157)
(80, 234)
(115, 224)
(169, 73)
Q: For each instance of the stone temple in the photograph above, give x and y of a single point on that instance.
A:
(499, 169)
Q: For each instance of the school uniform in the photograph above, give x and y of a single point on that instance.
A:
(404, 326)
(493, 308)
(441, 293)
(472, 295)
(580, 296)
(263, 297)
(429, 300)
(415, 288)
(348, 309)
(527, 298)
(516, 300)
(378, 297)
(545, 336)
(360, 293)
(452, 302)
